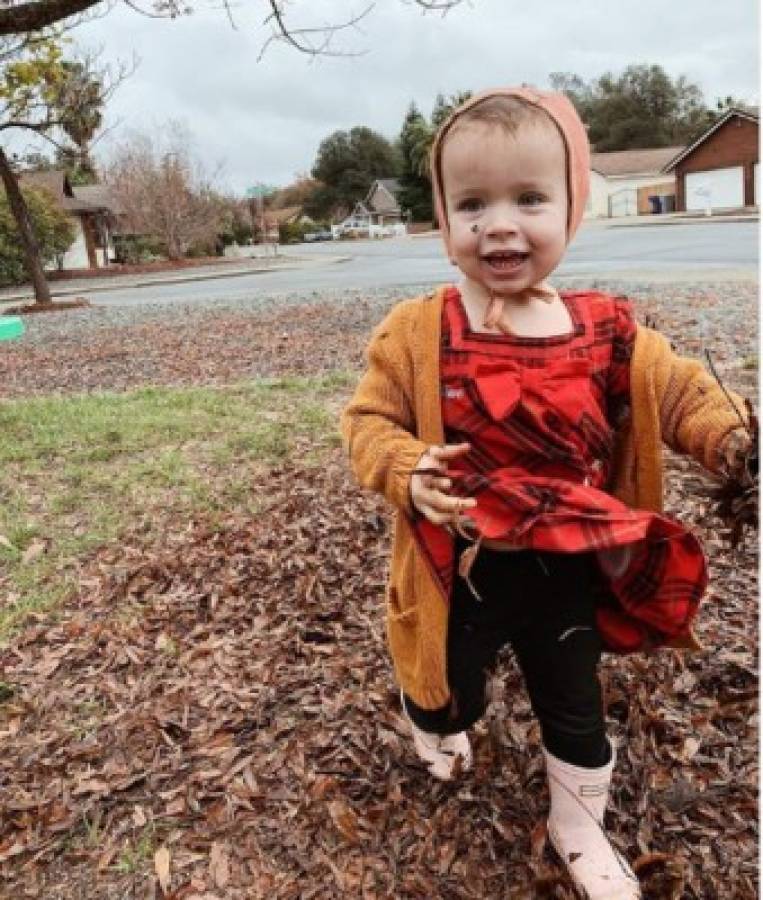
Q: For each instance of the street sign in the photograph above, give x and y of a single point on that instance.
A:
(260, 190)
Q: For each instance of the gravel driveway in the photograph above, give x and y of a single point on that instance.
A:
(217, 341)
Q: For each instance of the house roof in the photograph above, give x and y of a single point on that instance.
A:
(390, 187)
(79, 198)
(648, 161)
(748, 112)
(285, 214)
(390, 184)
(360, 209)
(94, 197)
(55, 181)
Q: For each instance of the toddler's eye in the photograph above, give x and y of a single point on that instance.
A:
(531, 198)
(469, 204)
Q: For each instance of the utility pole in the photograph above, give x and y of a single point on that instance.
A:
(256, 195)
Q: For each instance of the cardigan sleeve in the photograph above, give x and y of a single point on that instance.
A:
(695, 415)
(619, 374)
(379, 424)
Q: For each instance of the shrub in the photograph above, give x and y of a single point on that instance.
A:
(292, 232)
(54, 230)
(237, 225)
(132, 249)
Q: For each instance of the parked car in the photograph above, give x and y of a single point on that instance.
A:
(319, 236)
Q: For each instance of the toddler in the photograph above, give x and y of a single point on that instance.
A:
(518, 433)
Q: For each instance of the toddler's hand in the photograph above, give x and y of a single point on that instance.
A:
(733, 453)
(429, 486)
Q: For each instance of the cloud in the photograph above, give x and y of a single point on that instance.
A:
(266, 119)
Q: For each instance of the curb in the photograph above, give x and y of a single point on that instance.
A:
(151, 281)
(710, 220)
(644, 220)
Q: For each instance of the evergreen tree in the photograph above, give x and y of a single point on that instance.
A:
(444, 107)
(347, 164)
(415, 193)
(52, 227)
(641, 107)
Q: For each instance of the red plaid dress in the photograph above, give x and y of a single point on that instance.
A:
(540, 415)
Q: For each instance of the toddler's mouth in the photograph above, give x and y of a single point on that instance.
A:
(505, 259)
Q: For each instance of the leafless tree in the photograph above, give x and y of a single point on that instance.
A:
(64, 96)
(163, 191)
(28, 16)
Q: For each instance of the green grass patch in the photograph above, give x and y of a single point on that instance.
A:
(136, 854)
(76, 472)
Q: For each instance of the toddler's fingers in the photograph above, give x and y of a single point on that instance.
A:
(447, 512)
(439, 485)
(444, 503)
(436, 518)
(449, 451)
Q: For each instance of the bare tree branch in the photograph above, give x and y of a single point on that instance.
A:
(229, 14)
(437, 5)
(33, 16)
(168, 10)
(299, 37)
(39, 127)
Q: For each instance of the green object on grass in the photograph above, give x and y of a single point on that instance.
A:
(10, 327)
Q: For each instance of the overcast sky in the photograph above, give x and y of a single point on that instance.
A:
(262, 121)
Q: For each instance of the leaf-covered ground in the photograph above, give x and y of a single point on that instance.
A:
(212, 713)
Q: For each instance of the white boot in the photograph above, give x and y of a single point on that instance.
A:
(575, 829)
(440, 752)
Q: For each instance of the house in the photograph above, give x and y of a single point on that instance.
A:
(288, 215)
(358, 222)
(622, 181)
(266, 229)
(379, 215)
(274, 219)
(381, 201)
(720, 169)
(93, 211)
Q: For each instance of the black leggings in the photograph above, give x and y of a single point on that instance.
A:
(543, 605)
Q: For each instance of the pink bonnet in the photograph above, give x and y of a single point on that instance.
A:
(561, 110)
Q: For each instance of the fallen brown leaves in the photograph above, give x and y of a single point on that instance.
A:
(199, 349)
(27, 309)
(214, 716)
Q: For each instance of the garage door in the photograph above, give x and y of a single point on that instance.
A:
(716, 188)
(623, 202)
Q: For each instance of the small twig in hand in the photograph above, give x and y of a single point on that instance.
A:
(722, 386)
(430, 471)
(737, 495)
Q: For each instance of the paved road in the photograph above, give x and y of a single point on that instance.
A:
(686, 252)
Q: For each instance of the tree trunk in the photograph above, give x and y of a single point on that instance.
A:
(24, 223)
(24, 17)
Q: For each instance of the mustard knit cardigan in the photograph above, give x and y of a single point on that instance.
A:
(395, 415)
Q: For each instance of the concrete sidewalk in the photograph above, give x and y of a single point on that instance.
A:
(675, 219)
(252, 266)
(680, 218)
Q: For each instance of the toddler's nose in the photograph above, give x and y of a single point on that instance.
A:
(501, 222)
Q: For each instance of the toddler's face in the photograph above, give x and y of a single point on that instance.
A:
(506, 198)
